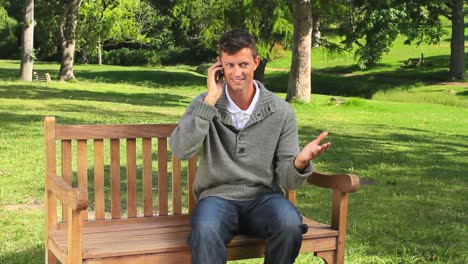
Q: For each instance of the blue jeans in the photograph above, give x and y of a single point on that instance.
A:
(216, 221)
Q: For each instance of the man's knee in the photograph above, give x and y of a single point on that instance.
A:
(206, 230)
(290, 224)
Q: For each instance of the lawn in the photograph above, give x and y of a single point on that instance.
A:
(402, 130)
(411, 156)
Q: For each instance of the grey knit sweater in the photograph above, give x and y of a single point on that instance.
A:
(240, 164)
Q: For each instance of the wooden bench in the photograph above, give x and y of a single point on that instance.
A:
(415, 62)
(39, 77)
(115, 194)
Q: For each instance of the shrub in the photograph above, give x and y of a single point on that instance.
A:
(127, 57)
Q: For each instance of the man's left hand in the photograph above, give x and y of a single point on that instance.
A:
(311, 151)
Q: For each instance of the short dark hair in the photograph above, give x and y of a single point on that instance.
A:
(234, 40)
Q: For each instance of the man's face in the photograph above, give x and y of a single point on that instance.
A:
(239, 69)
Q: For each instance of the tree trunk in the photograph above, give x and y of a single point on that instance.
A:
(299, 85)
(27, 43)
(67, 28)
(316, 34)
(259, 73)
(99, 51)
(457, 42)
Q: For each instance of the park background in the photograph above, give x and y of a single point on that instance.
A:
(402, 128)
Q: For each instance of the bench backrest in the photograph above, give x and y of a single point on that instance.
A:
(128, 169)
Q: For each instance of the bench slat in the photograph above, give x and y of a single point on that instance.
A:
(147, 178)
(162, 176)
(192, 171)
(115, 179)
(113, 131)
(99, 196)
(82, 164)
(131, 178)
(176, 186)
(66, 169)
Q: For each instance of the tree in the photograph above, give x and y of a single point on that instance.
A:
(8, 40)
(27, 48)
(299, 85)
(67, 30)
(117, 22)
(202, 22)
(457, 42)
(371, 27)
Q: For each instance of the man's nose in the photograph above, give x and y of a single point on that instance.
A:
(236, 71)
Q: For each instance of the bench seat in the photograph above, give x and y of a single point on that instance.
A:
(165, 234)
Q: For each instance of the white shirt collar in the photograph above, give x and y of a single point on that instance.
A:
(239, 116)
(233, 108)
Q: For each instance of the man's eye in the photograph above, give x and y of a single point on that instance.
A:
(229, 65)
(244, 65)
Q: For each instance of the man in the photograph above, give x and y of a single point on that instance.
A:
(250, 154)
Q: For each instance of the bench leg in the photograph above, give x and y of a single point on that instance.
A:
(50, 257)
(328, 256)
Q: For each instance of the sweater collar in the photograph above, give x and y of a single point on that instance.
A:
(265, 107)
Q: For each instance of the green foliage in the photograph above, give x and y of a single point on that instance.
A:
(8, 41)
(377, 27)
(46, 37)
(203, 22)
(118, 21)
(126, 57)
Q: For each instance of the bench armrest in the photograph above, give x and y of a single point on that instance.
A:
(346, 183)
(74, 198)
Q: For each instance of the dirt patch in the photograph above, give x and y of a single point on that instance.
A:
(367, 182)
(29, 205)
(276, 69)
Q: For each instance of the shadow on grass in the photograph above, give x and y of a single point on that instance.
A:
(20, 91)
(148, 78)
(27, 256)
(350, 81)
(427, 149)
(408, 203)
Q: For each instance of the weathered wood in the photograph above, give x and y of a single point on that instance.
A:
(74, 198)
(99, 196)
(113, 131)
(339, 221)
(291, 195)
(67, 171)
(75, 237)
(131, 178)
(192, 171)
(82, 164)
(51, 200)
(147, 178)
(116, 205)
(347, 183)
(151, 238)
(154, 237)
(176, 186)
(162, 176)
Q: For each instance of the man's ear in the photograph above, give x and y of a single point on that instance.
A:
(257, 61)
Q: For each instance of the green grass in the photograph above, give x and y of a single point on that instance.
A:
(411, 156)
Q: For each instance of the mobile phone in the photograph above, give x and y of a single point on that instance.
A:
(219, 75)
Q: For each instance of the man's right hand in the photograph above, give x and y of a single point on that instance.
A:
(215, 88)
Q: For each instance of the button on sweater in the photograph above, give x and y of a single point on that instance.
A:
(240, 164)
